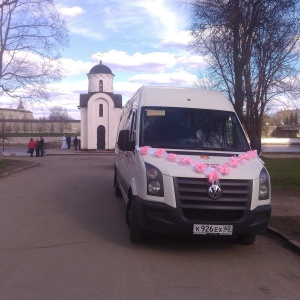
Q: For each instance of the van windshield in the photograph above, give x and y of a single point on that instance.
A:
(189, 128)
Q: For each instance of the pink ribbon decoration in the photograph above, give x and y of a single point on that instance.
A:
(144, 150)
(185, 161)
(159, 153)
(224, 169)
(213, 176)
(172, 157)
(200, 167)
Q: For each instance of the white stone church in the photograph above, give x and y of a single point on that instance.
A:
(100, 110)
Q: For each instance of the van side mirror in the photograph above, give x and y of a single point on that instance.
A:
(123, 141)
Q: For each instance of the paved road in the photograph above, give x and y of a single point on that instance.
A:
(63, 236)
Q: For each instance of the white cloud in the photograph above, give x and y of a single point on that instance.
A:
(74, 67)
(181, 78)
(179, 39)
(121, 61)
(161, 13)
(71, 11)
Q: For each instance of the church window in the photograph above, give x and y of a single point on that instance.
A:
(100, 85)
(101, 110)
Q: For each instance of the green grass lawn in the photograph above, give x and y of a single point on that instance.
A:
(284, 173)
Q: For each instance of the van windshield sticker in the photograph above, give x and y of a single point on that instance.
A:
(155, 113)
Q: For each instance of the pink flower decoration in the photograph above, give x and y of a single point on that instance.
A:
(224, 169)
(235, 159)
(172, 156)
(241, 159)
(185, 161)
(144, 150)
(200, 167)
(233, 163)
(246, 156)
(213, 176)
(252, 153)
(159, 153)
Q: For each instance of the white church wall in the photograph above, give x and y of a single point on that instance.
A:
(83, 128)
(94, 120)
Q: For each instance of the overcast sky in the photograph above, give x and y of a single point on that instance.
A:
(143, 42)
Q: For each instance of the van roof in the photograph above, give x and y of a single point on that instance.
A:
(182, 97)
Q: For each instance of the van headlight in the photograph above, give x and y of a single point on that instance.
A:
(264, 185)
(155, 186)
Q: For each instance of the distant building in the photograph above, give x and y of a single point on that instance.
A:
(19, 113)
(21, 120)
(100, 110)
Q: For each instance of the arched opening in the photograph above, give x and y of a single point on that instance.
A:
(100, 85)
(101, 137)
(101, 110)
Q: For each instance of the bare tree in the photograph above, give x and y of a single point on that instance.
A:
(32, 36)
(252, 47)
(60, 114)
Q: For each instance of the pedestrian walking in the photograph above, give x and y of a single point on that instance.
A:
(37, 148)
(31, 147)
(75, 141)
(41, 146)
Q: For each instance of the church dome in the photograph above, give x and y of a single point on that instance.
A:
(100, 69)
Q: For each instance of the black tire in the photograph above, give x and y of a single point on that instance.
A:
(117, 188)
(247, 239)
(136, 233)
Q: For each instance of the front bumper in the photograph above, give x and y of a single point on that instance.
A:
(160, 217)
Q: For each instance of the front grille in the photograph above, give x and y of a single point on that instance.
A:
(195, 205)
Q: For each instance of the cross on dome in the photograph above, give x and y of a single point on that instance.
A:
(100, 56)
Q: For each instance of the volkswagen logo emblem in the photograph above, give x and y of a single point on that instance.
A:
(214, 191)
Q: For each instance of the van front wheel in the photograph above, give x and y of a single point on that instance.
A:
(247, 239)
(136, 233)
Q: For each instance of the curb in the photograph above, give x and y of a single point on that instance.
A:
(78, 154)
(293, 243)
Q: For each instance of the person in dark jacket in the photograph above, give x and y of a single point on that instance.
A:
(68, 140)
(41, 146)
(75, 141)
(37, 148)
(31, 146)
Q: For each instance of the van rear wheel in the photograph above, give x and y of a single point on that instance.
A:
(136, 233)
(247, 239)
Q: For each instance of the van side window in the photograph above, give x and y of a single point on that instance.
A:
(132, 127)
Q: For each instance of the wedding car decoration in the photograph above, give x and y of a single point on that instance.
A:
(212, 173)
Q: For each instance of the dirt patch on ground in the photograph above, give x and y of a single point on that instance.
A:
(11, 165)
(285, 216)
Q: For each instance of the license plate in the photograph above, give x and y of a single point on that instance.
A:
(212, 229)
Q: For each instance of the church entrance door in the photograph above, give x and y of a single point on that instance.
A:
(101, 137)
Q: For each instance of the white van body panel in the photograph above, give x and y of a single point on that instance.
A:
(131, 166)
